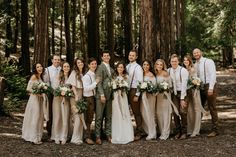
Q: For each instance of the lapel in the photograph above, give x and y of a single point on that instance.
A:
(105, 68)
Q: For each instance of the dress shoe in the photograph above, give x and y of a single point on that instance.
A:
(183, 136)
(57, 142)
(177, 136)
(37, 143)
(109, 139)
(137, 137)
(89, 141)
(98, 141)
(63, 142)
(213, 134)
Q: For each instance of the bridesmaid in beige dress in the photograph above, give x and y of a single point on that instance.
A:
(77, 87)
(61, 109)
(36, 109)
(147, 106)
(163, 104)
(194, 102)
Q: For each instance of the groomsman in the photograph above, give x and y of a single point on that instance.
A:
(135, 72)
(90, 84)
(50, 75)
(206, 71)
(179, 77)
(103, 98)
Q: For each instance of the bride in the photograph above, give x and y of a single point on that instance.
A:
(122, 128)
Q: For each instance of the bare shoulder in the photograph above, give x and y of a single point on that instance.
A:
(33, 78)
(165, 74)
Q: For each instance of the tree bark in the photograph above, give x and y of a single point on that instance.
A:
(25, 55)
(53, 3)
(2, 87)
(9, 41)
(93, 29)
(74, 13)
(69, 54)
(110, 27)
(41, 53)
(16, 14)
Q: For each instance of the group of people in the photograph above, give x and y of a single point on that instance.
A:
(111, 107)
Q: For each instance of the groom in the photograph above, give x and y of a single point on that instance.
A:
(103, 97)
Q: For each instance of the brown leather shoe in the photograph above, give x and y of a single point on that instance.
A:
(183, 136)
(213, 134)
(109, 139)
(89, 141)
(98, 141)
(177, 136)
(137, 137)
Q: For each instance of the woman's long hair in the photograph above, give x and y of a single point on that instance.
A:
(76, 68)
(35, 72)
(150, 65)
(189, 58)
(163, 63)
(124, 72)
(61, 74)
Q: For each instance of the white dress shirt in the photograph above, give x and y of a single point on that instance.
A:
(135, 73)
(179, 77)
(51, 74)
(89, 84)
(206, 71)
(108, 67)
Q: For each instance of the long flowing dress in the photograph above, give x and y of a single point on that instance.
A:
(77, 118)
(35, 113)
(61, 114)
(163, 110)
(194, 109)
(147, 108)
(122, 128)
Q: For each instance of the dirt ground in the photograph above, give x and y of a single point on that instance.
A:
(223, 145)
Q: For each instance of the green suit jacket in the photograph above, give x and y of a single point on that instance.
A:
(103, 87)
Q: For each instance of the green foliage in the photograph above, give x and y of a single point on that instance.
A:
(16, 85)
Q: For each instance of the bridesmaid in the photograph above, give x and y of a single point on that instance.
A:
(163, 104)
(61, 109)
(122, 128)
(148, 103)
(75, 79)
(36, 109)
(194, 102)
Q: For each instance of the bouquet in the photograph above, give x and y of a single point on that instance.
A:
(147, 86)
(195, 83)
(82, 105)
(40, 88)
(119, 84)
(63, 90)
(163, 87)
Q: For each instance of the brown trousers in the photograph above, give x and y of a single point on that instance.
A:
(135, 106)
(211, 102)
(49, 122)
(89, 115)
(181, 125)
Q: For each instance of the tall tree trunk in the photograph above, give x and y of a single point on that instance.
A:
(127, 12)
(110, 27)
(25, 56)
(9, 43)
(41, 32)
(93, 29)
(61, 27)
(69, 54)
(53, 3)
(16, 14)
(74, 14)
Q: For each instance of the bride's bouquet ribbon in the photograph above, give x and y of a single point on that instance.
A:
(172, 104)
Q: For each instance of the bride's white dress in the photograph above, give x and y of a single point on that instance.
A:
(122, 128)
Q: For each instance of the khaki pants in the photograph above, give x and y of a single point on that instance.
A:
(211, 102)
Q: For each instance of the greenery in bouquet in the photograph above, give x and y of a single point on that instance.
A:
(147, 86)
(119, 84)
(41, 87)
(63, 90)
(195, 83)
(82, 105)
(163, 87)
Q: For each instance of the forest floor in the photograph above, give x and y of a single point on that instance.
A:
(11, 143)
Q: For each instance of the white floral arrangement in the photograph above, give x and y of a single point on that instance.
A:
(163, 87)
(63, 90)
(119, 84)
(195, 83)
(40, 88)
(147, 86)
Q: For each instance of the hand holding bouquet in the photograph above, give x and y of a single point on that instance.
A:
(147, 86)
(195, 83)
(40, 88)
(163, 87)
(64, 91)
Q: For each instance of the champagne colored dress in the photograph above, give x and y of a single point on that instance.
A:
(147, 108)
